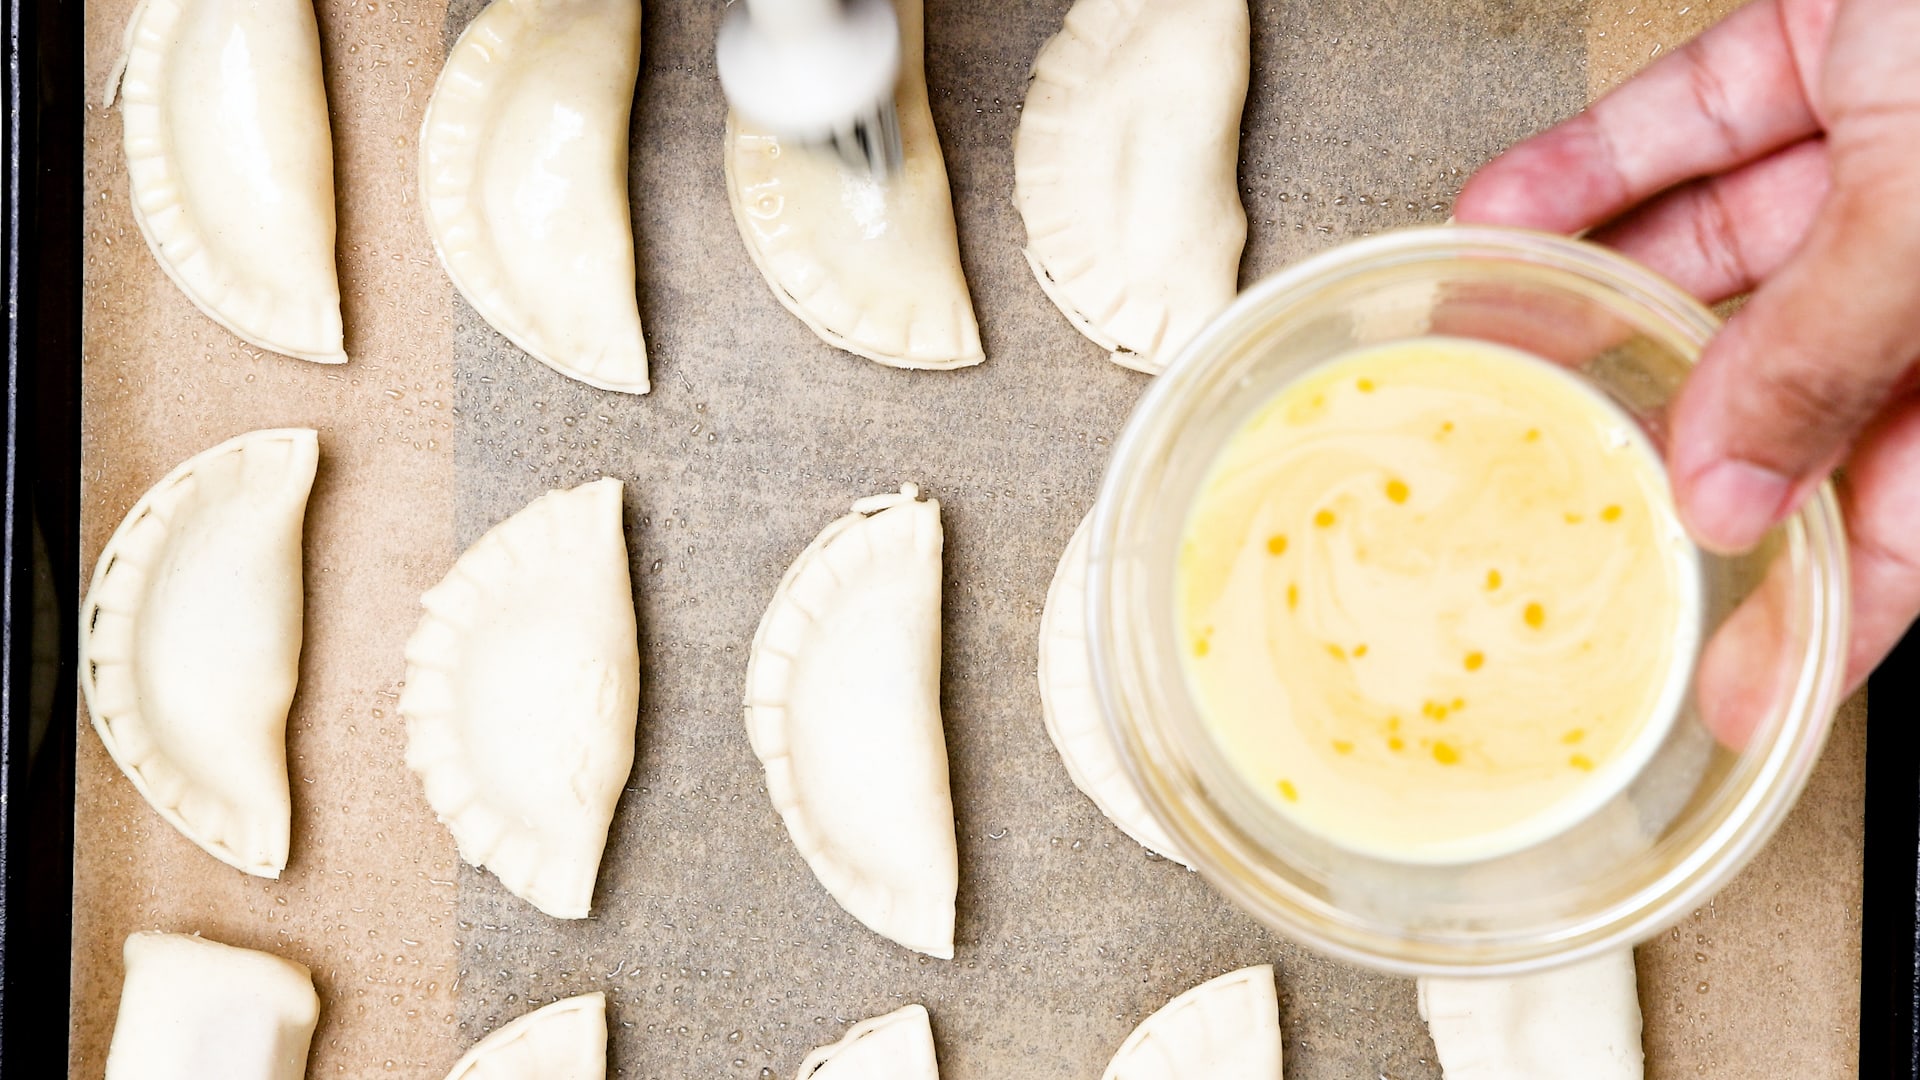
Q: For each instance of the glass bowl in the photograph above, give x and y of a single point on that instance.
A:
(1767, 670)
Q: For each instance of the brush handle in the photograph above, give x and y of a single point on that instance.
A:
(788, 20)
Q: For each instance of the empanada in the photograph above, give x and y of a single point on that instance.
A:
(566, 1040)
(1581, 1022)
(523, 687)
(843, 709)
(1072, 707)
(871, 266)
(1124, 170)
(1224, 1029)
(193, 1009)
(897, 1046)
(190, 643)
(230, 165)
(523, 175)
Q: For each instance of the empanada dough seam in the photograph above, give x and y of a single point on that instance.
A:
(823, 1057)
(140, 111)
(526, 1026)
(103, 681)
(1174, 1024)
(766, 729)
(1130, 301)
(968, 356)
(454, 209)
(1070, 594)
(1119, 354)
(526, 860)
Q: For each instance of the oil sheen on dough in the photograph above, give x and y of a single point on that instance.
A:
(1433, 601)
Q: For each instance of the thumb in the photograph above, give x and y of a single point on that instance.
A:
(1784, 389)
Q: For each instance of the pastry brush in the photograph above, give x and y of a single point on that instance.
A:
(818, 71)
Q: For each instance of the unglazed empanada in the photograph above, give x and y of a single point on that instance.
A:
(843, 709)
(1225, 1029)
(1072, 708)
(193, 1009)
(230, 165)
(1124, 170)
(566, 1040)
(190, 643)
(523, 686)
(1580, 1022)
(872, 266)
(523, 174)
(897, 1046)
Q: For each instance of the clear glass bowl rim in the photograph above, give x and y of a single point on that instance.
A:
(1789, 758)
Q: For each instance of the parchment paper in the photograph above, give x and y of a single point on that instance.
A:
(719, 952)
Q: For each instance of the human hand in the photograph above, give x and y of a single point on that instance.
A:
(1780, 153)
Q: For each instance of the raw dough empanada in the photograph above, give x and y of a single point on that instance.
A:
(843, 708)
(230, 165)
(1072, 708)
(193, 1009)
(1578, 1022)
(190, 643)
(897, 1046)
(871, 267)
(523, 174)
(566, 1040)
(1124, 170)
(523, 686)
(1225, 1029)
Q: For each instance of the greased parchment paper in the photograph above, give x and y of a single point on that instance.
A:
(720, 954)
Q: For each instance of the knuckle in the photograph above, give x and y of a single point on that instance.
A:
(1716, 238)
(1816, 397)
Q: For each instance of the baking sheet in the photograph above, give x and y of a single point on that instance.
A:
(720, 954)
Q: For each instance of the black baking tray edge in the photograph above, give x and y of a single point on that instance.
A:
(40, 543)
(39, 546)
(40, 549)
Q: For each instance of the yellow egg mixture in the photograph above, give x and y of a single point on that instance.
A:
(1433, 600)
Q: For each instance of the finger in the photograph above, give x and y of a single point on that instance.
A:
(1747, 670)
(1881, 498)
(1723, 236)
(1730, 96)
(1811, 358)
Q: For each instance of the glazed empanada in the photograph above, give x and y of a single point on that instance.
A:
(190, 643)
(1124, 170)
(1225, 1029)
(523, 174)
(897, 1046)
(1072, 708)
(193, 1009)
(843, 709)
(1581, 1021)
(230, 165)
(523, 686)
(566, 1040)
(871, 266)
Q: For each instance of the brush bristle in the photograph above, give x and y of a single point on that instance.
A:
(870, 144)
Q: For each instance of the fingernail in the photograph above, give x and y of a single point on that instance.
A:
(1731, 504)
